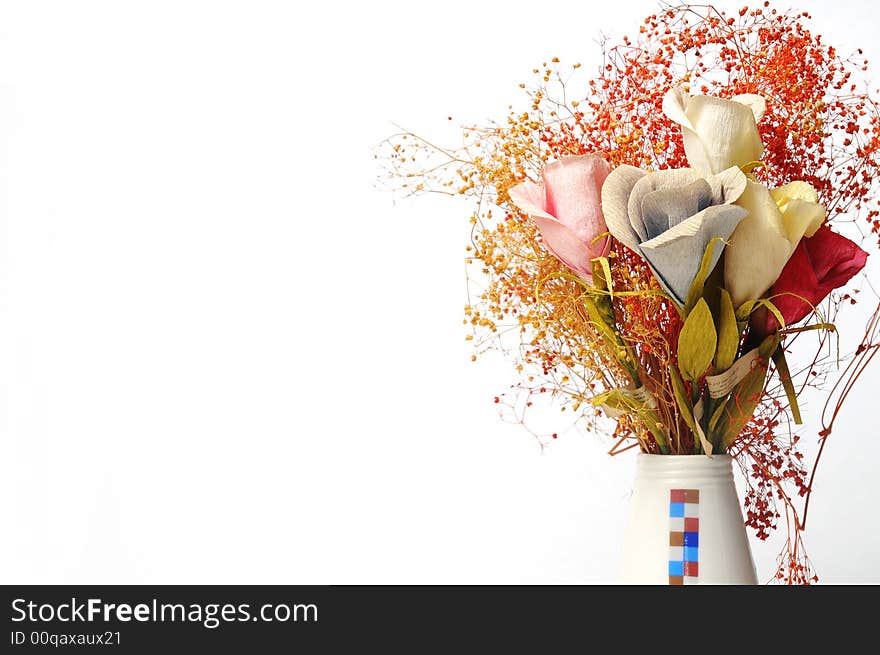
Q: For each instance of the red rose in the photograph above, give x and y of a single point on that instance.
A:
(820, 264)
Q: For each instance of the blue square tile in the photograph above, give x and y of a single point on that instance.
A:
(676, 568)
(690, 554)
(676, 509)
(692, 539)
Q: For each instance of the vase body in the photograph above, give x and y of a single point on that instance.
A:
(685, 524)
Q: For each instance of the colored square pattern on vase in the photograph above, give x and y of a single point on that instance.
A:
(684, 536)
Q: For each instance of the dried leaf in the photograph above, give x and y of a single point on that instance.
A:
(696, 290)
(728, 334)
(697, 341)
(745, 310)
(681, 398)
(787, 384)
(716, 415)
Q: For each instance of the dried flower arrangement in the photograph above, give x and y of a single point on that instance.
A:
(649, 242)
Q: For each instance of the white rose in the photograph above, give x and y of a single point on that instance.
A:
(717, 133)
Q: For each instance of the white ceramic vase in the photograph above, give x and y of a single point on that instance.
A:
(685, 524)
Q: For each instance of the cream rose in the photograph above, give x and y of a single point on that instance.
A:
(717, 133)
(764, 241)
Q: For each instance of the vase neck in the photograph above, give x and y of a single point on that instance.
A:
(698, 468)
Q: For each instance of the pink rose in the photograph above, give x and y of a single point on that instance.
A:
(567, 209)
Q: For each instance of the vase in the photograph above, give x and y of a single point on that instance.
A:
(685, 524)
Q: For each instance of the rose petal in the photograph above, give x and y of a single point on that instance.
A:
(568, 247)
(834, 257)
(615, 196)
(529, 197)
(754, 102)
(758, 248)
(558, 239)
(799, 281)
(674, 178)
(726, 132)
(573, 194)
(802, 218)
(728, 185)
(797, 190)
(675, 102)
(666, 208)
(675, 256)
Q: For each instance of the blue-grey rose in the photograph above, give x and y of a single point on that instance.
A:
(671, 216)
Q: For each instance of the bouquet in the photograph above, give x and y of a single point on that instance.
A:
(652, 241)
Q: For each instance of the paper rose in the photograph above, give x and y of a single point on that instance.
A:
(717, 133)
(670, 217)
(763, 242)
(566, 209)
(819, 265)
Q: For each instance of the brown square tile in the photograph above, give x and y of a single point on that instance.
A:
(676, 538)
(676, 579)
(691, 495)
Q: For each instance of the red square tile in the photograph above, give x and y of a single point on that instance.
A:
(676, 495)
(691, 569)
(691, 525)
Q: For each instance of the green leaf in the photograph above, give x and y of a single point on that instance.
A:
(773, 310)
(598, 314)
(605, 268)
(600, 280)
(696, 290)
(681, 399)
(751, 166)
(787, 384)
(716, 415)
(743, 401)
(603, 302)
(745, 310)
(728, 334)
(655, 427)
(830, 327)
(696, 342)
(769, 345)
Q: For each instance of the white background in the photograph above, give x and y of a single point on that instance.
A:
(226, 358)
